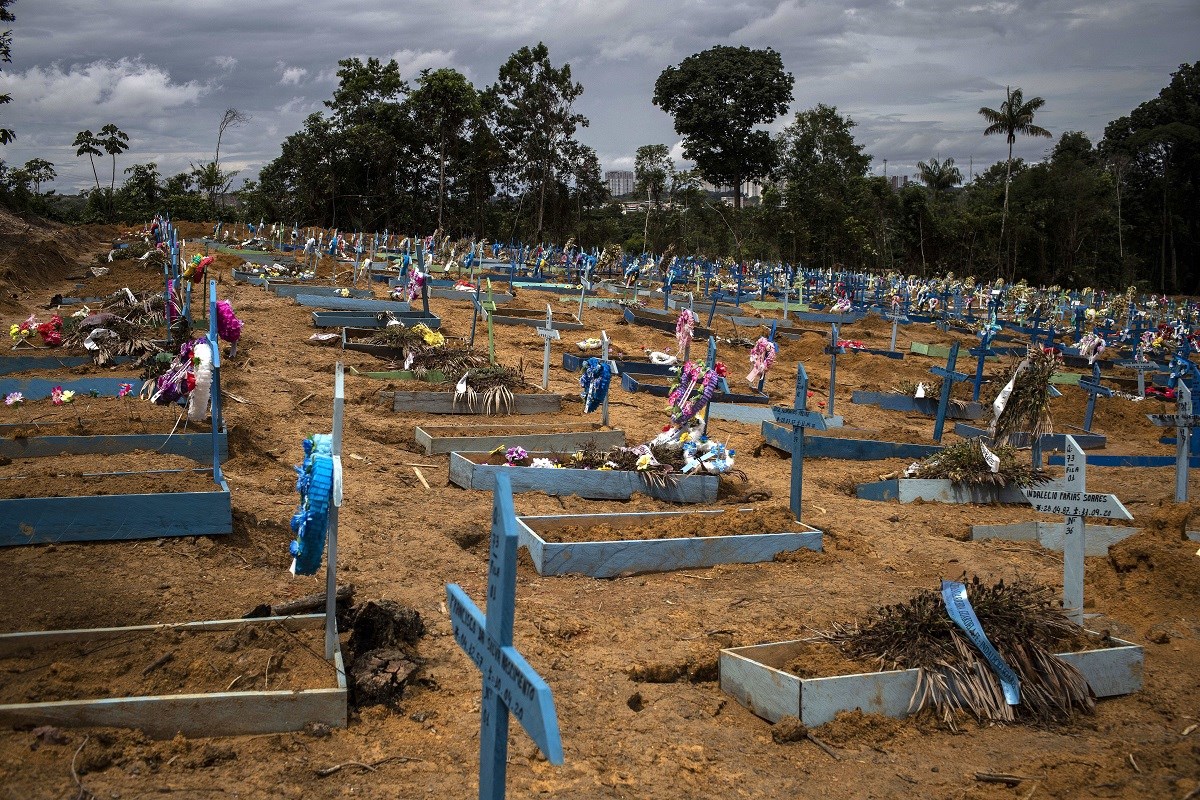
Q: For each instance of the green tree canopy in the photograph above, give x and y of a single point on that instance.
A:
(531, 110)
(716, 98)
(652, 169)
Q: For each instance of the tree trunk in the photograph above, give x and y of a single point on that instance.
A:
(95, 174)
(441, 179)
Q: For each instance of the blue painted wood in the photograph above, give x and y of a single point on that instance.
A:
(906, 490)
(949, 378)
(662, 323)
(369, 319)
(847, 449)
(648, 383)
(587, 483)
(610, 559)
(351, 303)
(1105, 460)
(536, 319)
(1055, 442)
(41, 520)
(799, 418)
(39, 388)
(574, 363)
(828, 318)
(923, 405)
(293, 289)
(13, 364)
(749, 415)
(509, 682)
(196, 446)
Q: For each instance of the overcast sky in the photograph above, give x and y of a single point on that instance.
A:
(912, 75)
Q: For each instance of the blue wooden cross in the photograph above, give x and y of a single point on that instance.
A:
(1183, 421)
(1141, 367)
(1094, 389)
(897, 315)
(832, 350)
(510, 684)
(799, 417)
(982, 352)
(949, 378)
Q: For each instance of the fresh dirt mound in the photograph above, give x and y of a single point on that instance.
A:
(35, 253)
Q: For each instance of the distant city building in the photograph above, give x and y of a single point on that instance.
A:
(751, 190)
(898, 182)
(620, 182)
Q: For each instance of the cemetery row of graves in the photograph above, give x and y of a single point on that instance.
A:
(319, 510)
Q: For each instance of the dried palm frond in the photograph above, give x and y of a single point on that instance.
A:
(498, 399)
(611, 258)
(964, 462)
(1028, 406)
(1023, 622)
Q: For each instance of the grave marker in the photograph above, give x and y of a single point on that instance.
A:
(949, 378)
(1183, 421)
(1141, 368)
(832, 351)
(1094, 389)
(510, 684)
(799, 417)
(1075, 503)
(604, 356)
(982, 352)
(548, 334)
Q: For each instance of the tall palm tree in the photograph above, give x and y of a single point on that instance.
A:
(86, 142)
(939, 176)
(113, 140)
(1015, 116)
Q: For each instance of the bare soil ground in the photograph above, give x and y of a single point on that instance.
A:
(601, 645)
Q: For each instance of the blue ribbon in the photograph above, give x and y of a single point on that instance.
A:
(954, 595)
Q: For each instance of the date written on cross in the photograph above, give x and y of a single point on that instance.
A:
(1077, 504)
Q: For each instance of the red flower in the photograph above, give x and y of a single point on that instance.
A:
(721, 369)
(191, 382)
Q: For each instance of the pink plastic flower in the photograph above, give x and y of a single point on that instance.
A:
(14, 399)
(124, 389)
(56, 395)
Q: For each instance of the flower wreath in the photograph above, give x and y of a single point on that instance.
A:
(692, 391)
(595, 379)
(685, 328)
(315, 485)
(762, 358)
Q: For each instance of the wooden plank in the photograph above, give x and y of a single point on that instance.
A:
(648, 384)
(39, 388)
(536, 319)
(574, 363)
(923, 405)
(433, 376)
(752, 675)
(1051, 442)
(370, 319)
(587, 483)
(749, 415)
(293, 289)
(28, 363)
(610, 559)
(534, 437)
(1097, 538)
(662, 323)
(119, 517)
(196, 446)
(780, 437)
(456, 294)
(443, 403)
(1097, 460)
(906, 490)
(193, 715)
(351, 303)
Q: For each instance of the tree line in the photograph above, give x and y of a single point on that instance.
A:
(505, 162)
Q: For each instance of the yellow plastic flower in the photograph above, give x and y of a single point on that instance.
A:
(68, 396)
(15, 332)
(431, 337)
(643, 462)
